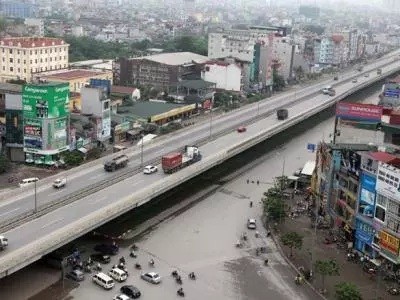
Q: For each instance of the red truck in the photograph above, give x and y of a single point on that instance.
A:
(174, 161)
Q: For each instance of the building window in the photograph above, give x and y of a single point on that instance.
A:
(24, 70)
(45, 51)
(18, 61)
(30, 52)
(11, 69)
(381, 200)
(19, 70)
(24, 52)
(35, 61)
(24, 61)
(380, 213)
(11, 60)
(41, 60)
(18, 52)
(41, 51)
(35, 52)
(10, 51)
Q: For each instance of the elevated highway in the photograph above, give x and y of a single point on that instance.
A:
(93, 197)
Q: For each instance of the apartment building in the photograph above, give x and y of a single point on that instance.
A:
(25, 57)
(333, 50)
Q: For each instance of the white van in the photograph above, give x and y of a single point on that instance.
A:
(118, 274)
(103, 280)
(28, 181)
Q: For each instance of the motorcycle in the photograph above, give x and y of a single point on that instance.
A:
(238, 244)
(266, 262)
(151, 263)
(180, 292)
(138, 266)
(174, 273)
(122, 260)
(133, 254)
(178, 279)
(393, 291)
(192, 276)
(97, 268)
(298, 280)
(87, 269)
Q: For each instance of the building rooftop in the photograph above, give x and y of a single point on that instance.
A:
(118, 89)
(196, 84)
(382, 156)
(72, 74)
(176, 58)
(31, 42)
(147, 109)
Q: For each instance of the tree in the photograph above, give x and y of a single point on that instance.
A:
(73, 158)
(299, 72)
(278, 81)
(292, 240)
(347, 291)
(273, 202)
(326, 268)
(4, 163)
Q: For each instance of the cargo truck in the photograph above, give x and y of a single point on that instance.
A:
(116, 163)
(282, 114)
(174, 161)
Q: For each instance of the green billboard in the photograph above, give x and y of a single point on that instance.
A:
(45, 100)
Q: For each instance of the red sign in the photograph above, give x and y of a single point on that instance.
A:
(357, 111)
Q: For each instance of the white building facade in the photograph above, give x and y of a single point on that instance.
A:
(226, 76)
(21, 58)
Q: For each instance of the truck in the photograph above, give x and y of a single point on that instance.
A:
(282, 114)
(116, 163)
(3, 242)
(174, 161)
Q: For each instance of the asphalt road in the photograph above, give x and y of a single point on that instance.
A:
(24, 200)
(201, 240)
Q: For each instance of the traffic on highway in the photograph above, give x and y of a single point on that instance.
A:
(129, 186)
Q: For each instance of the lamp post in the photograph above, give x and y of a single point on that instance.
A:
(210, 123)
(141, 151)
(35, 209)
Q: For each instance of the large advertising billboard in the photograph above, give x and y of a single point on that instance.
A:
(45, 101)
(360, 112)
(388, 180)
(367, 195)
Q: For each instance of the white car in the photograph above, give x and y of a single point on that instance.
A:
(121, 297)
(59, 183)
(150, 169)
(151, 277)
(354, 80)
(251, 224)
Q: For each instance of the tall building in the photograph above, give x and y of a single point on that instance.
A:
(45, 108)
(24, 57)
(17, 9)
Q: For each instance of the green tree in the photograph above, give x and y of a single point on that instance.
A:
(73, 158)
(347, 291)
(292, 240)
(299, 72)
(325, 268)
(315, 29)
(4, 163)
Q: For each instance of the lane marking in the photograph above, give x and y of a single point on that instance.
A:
(51, 223)
(10, 211)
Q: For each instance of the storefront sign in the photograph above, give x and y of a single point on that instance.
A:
(388, 180)
(389, 242)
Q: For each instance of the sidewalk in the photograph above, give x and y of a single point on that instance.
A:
(314, 249)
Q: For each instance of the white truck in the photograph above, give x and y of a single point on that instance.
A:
(3, 242)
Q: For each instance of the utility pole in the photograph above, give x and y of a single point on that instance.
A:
(281, 188)
(141, 152)
(35, 199)
(210, 123)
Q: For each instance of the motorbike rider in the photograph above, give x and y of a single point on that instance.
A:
(191, 275)
(251, 203)
(151, 262)
(180, 291)
(122, 260)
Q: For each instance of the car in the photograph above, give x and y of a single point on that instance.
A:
(328, 91)
(151, 277)
(107, 249)
(59, 183)
(150, 169)
(101, 258)
(366, 75)
(354, 80)
(121, 297)
(131, 291)
(336, 78)
(241, 129)
(251, 224)
(76, 275)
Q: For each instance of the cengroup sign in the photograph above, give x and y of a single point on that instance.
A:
(358, 111)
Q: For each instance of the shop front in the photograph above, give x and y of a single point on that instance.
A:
(364, 236)
(389, 247)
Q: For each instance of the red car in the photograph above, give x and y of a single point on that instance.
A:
(241, 129)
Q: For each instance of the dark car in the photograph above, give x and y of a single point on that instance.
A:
(131, 291)
(101, 258)
(107, 249)
(241, 129)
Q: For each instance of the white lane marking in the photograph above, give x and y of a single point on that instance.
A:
(10, 211)
(55, 193)
(51, 223)
(95, 176)
(97, 199)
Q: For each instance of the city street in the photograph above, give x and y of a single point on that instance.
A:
(202, 240)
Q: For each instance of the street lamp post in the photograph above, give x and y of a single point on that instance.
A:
(210, 123)
(35, 209)
(141, 151)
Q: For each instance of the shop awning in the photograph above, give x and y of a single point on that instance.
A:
(83, 150)
(308, 168)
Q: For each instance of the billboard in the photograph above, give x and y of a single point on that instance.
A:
(392, 93)
(357, 111)
(56, 134)
(44, 101)
(388, 180)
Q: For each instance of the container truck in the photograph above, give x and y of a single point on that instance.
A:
(116, 163)
(282, 114)
(174, 161)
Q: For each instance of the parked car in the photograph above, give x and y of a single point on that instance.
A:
(366, 75)
(241, 129)
(59, 183)
(251, 224)
(131, 291)
(101, 258)
(107, 249)
(121, 297)
(150, 169)
(75, 275)
(354, 80)
(151, 277)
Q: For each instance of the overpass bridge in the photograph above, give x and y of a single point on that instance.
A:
(94, 197)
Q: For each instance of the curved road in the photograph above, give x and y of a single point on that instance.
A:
(22, 200)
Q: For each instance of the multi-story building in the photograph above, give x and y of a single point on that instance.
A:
(160, 70)
(17, 9)
(45, 109)
(332, 50)
(77, 78)
(23, 58)
(350, 39)
(35, 26)
(227, 76)
(390, 96)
